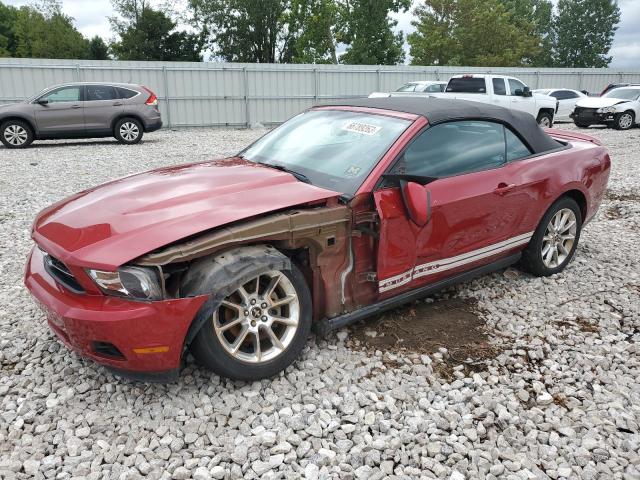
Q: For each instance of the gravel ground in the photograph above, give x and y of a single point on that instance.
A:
(559, 399)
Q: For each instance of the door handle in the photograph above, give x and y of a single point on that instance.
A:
(75, 106)
(117, 104)
(503, 188)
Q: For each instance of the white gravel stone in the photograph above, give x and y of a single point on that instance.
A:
(561, 398)
(218, 472)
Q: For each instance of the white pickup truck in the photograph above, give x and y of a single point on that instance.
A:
(504, 91)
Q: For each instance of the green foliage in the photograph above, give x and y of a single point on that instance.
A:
(241, 30)
(7, 38)
(535, 19)
(514, 33)
(366, 28)
(585, 30)
(44, 32)
(311, 32)
(148, 34)
(468, 32)
(97, 49)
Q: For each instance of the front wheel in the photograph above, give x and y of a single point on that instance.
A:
(555, 240)
(258, 330)
(16, 134)
(624, 121)
(545, 119)
(128, 131)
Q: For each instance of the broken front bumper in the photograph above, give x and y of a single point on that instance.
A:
(143, 340)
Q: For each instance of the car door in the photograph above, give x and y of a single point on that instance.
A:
(567, 100)
(476, 209)
(500, 92)
(59, 112)
(517, 101)
(102, 106)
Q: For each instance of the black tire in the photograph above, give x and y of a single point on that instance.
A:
(543, 118)
(16, 134)
(125, 128)
(625, 120)
(210, 353)
(581, 124)
(532, 260)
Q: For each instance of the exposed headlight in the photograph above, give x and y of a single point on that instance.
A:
(133, 282)
(607, 110)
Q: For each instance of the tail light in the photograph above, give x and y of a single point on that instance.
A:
(153, 99)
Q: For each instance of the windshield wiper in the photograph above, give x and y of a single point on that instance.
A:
(282, 168)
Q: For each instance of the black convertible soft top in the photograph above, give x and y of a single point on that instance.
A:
(438, 110)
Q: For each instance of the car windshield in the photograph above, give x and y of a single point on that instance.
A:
(334, 149)
(407, 87)
(623, 93)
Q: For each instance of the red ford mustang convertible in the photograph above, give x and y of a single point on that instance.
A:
(339, 213)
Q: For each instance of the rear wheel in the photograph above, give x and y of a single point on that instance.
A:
(624, 121)
(128, 131)
(581, 124)
(16, 134)
(258, 330)
(555, 240)
(545, 119)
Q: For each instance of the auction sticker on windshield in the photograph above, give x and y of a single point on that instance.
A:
(363, 128)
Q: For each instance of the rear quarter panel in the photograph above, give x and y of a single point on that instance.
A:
(583, 166)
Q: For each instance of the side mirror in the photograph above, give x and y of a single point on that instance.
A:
(417, 200)
(526, 92)
(43, 101)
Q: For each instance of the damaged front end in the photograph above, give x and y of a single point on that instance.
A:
(317, 239)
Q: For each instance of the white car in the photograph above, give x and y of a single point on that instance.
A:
(619, 108)
(567, 99)
(508, 92)
(412, 88)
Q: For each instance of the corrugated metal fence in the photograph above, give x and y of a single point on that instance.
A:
(238, 94)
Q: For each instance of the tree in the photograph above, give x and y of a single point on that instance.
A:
(45, 34)
(535, 19)
(241, 30)
(148, 34)
(366, 28)
(471, 33)
(585, 30)
(7, 20)
(310, 36)
(97, 49)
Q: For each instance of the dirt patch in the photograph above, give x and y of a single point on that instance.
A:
(628, 197)
(425, 327)
(613, 213)
(582, 324)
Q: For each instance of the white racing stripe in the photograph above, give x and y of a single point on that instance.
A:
(444, 264)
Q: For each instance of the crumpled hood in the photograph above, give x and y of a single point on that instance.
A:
(114, 223)
(599, 102)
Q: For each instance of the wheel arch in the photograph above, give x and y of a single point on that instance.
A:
(216, 276)
(126, 115)
(580, 198)
(22, 119)
(550, 111)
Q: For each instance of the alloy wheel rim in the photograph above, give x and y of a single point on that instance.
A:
(625, 120)
(258, 321)
(129, 131)
(15, 135)
(559, 238)
(544, 121)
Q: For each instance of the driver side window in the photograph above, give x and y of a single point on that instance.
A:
(515, 85)
(454, 148)
(67, 94)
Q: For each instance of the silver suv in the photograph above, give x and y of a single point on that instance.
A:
(81, 110)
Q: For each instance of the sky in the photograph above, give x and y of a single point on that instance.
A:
(91, 18)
